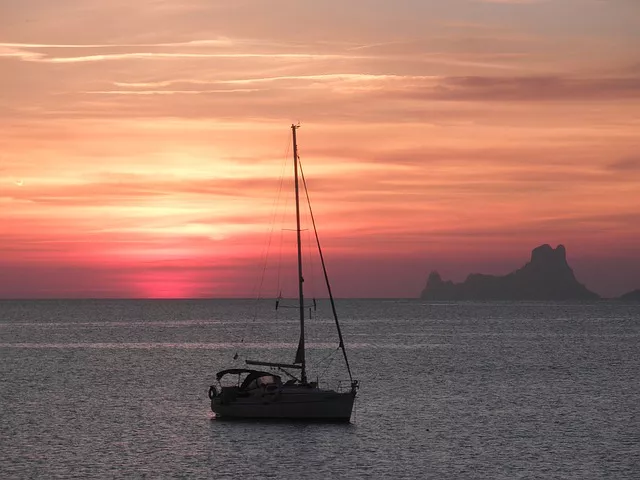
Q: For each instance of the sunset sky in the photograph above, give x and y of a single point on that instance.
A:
(142, 142)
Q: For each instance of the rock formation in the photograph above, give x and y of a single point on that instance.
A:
(632, 296)
(547, 276)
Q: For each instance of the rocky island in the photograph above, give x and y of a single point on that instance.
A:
(633, 296)
(547, 276)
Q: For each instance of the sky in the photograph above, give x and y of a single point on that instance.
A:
(143, 144)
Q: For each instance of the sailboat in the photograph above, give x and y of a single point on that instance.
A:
(260, 391)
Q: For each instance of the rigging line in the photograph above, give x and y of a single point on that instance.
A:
(257, 290)
(326, 276)
(312, 269)
(279, 271)
(332, 357)
(274, 212)
(311, 274)
(282, 223)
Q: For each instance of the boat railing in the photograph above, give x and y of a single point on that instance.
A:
(346, 386)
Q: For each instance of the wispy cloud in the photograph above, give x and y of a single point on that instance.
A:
(346, 77)
(347, 81)
(427, 87)
(533, 88)
(227, 48)
(512, 2)
(25, 55)
(172, 92)
(166, 55)
(222, 47)
(329, 77)
(625, 165)
(219, 42)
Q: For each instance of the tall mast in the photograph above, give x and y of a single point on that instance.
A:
(300, 356)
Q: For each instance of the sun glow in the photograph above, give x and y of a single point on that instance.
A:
(165, 285)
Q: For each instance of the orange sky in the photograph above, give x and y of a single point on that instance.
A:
(141, 148)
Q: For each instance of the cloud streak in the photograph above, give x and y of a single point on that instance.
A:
(165, 55)
(525, 89)
(513, 2)
(172, 92)
(220, 42)
(422, 87)
(220, 48)
(625, 165)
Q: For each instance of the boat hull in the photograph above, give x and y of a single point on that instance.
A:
(287, 404)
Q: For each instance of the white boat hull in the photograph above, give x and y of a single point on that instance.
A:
(295, 403)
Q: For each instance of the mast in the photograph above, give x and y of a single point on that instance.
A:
(300, 355)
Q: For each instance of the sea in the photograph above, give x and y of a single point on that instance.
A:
(496, 390)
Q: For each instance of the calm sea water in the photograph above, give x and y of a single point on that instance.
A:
(118, 389)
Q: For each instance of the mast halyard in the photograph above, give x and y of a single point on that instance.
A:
(300, 354)
(326, 279)
(262, 394)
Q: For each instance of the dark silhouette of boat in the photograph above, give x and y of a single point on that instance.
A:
(260, 394)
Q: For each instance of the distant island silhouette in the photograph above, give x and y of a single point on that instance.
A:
(633, 296)
(547, 276)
